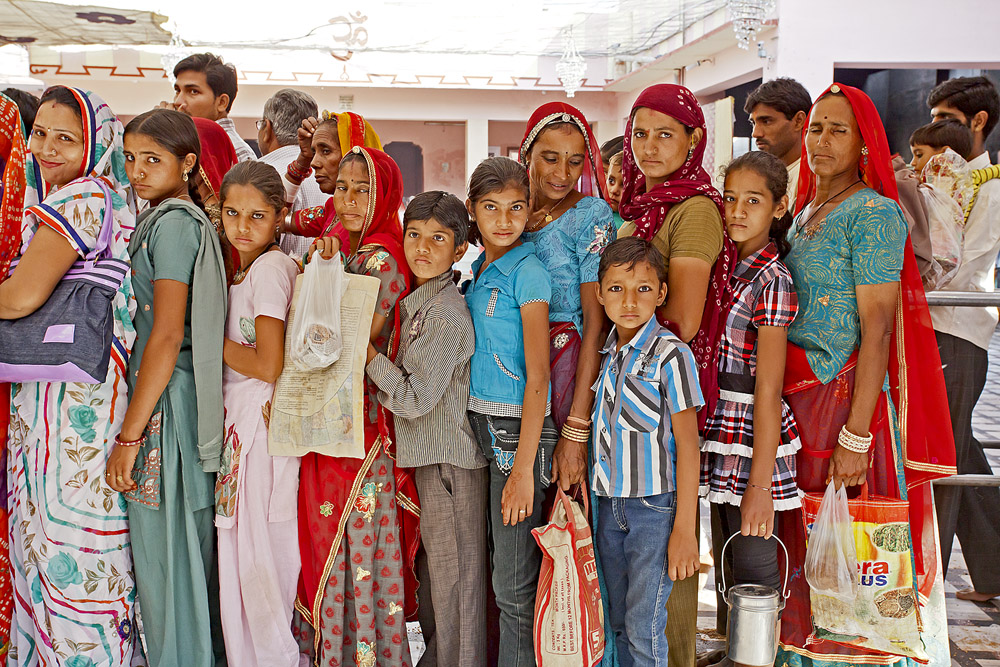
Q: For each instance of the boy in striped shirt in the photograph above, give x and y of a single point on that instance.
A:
(646, 460)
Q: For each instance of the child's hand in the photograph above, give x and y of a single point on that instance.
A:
(118, 470)
(683, 559)
(757, 512)
(518, 497)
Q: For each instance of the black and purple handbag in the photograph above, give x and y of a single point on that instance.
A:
(69, 339)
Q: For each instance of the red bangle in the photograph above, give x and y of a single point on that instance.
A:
(129, 443)
(297, 175)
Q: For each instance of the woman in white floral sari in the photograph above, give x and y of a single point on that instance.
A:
(71, 558)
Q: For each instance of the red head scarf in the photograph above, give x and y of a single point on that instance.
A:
(217, 153)
(593, 183)
(12, 165)
(649, 209)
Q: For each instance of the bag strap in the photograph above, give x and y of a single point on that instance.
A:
(103, 243)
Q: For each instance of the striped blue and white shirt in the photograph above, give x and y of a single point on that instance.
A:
(652, 377)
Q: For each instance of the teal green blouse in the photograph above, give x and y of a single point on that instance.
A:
(861, 242)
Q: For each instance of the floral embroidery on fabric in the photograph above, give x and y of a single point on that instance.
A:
(153, 427)
(326, 509)
(394, 608)
(366, 501)
(600, 240)
(147, 476)
(559, 342)
(362, 574)
(227, 481)
(377, 261)
(265, 411)
(248, 330)
(365, 655)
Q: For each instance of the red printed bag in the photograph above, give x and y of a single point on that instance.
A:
(569, 617)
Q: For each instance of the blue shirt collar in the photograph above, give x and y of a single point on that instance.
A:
(641, 341)
(506, 263)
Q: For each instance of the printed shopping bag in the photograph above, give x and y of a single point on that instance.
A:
(885, 614)
(569, 617)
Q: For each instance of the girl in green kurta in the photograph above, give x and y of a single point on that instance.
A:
(169, 449)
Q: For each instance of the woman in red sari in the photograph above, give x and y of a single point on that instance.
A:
(863, 368)
(668, 199)
(356, 558)
(217, 157)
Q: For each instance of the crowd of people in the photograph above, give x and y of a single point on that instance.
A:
(635, 330)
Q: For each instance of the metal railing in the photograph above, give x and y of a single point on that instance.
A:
(968, 299)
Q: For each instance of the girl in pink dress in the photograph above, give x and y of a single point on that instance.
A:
(255, 493)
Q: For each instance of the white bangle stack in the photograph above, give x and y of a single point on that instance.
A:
(854, 443)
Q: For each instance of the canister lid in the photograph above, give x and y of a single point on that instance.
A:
(754, 596)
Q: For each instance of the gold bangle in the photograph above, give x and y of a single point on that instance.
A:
(578, 420)
(854, 443)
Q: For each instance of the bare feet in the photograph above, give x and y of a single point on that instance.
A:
(710, 658)
(972, 595)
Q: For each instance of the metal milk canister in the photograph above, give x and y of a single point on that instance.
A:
(754, 617)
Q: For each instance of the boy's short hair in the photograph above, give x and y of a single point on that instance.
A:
(219, 75)
(617, 159)
(948, 133)
(446, 208)
(970, 95)
(782, 94)
(612, 146)
(632, 250)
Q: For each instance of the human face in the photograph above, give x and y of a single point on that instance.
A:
(250, 221)
(57, 143)
(556, 163)
(750, 210)
(351, 195)
(660, 145)
(193, 96)
(155, 173)
(615, 185)
(500, 218)
(833, 141)
(922, 154)
(326, 157)
(430, 249)
(777, 135)
(630, 297)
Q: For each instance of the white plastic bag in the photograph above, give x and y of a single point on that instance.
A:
(316, 340)
(831, 556)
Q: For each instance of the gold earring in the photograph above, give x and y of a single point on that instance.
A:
(690, 152)
(184, 177)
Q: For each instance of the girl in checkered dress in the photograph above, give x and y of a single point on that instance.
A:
(748, 461)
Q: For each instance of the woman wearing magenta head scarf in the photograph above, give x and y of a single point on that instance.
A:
(669, 200)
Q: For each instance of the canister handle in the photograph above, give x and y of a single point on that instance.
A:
(722, 557)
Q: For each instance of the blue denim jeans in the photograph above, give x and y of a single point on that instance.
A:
(632, 538)
(516, 556)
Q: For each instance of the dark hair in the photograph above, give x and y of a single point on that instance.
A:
(352, 157)
(783, 94)
(447, 209)
(775, 175)
(495, 174)
(947, 133)
(618, 158)
(970, 95)
(27, 106)
(632, 250)
(259, 175)
(220, 76)
(64, 96)
(552, 126)
(612, 146)
(286, 110)
(176, 132)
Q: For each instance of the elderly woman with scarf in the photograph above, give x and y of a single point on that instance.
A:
(357, 518)
(570, 229)
(71, 558)
(863, 374)
(668, 199)
(322, 145)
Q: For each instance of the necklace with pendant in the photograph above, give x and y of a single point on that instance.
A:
(548, 216)
(242, 273)
(820, 207)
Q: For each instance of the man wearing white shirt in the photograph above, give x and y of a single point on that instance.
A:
(205, 87)
(963, 334)
(278, 141)
(778, 111)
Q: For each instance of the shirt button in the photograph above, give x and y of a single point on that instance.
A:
(604, 458)
(146, 307)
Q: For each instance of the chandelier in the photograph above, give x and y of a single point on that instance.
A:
(571, 67)
(748, 17)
